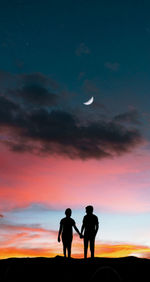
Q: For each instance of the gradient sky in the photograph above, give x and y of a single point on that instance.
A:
(56, 152)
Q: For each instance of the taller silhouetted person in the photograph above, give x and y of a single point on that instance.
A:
(66, 232)
(89, 227)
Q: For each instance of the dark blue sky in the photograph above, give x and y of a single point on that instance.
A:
(90, 48)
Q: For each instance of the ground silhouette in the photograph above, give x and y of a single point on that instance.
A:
(128, 269)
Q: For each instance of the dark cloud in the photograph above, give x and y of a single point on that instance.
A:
(36, 95)
(36, 89)
(131, 116)
(7, 80)
(59, 132)
(31, 120)
(11, 81)
(39, 79)
(8, 111)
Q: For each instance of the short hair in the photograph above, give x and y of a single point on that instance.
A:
(89, 209)
(68, 211)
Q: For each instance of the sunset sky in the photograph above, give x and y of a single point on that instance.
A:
(55, 151)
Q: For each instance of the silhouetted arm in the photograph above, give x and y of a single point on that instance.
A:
(96, 226)
(59, 233)
(82, 229)
(76, 229)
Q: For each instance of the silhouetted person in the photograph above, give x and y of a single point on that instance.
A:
(89, 227)
(66, 232)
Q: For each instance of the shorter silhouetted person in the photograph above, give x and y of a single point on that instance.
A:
(89, 227)
(66, 232)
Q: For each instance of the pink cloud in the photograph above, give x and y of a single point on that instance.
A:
(120, 184)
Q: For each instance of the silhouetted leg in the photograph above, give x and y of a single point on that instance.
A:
(92, 243)
(64, 246)
(85, 247)
(69, 249)
(64, 249)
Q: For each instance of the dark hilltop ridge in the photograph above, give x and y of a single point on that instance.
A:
(61, 269)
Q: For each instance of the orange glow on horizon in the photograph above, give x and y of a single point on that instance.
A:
(102, 250)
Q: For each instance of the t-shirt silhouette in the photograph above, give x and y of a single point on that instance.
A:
(90, 221)
(67, 224)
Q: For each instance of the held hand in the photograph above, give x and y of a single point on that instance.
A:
(81, 236)
(59, 239)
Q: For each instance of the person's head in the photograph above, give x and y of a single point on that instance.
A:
(68, 212)
(89, 209)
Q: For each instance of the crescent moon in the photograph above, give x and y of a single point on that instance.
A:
(89, 102)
